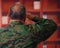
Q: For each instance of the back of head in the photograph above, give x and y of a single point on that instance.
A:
(17, 11)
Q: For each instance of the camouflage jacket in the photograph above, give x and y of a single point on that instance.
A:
(18, 35)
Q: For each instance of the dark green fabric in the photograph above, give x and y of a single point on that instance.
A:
(18, 35)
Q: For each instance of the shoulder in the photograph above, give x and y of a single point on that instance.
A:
(5, 29)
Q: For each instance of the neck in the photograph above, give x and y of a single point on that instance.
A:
(17, 21)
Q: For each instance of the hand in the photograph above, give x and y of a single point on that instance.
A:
(29, 16)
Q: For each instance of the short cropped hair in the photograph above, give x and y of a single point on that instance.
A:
(19, 14)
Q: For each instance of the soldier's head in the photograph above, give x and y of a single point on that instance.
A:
(17, 12)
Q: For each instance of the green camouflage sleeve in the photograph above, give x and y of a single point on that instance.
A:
(43, 29)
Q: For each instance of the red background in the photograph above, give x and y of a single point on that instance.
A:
(49, 7)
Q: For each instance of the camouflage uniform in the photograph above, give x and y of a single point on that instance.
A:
(18, 35)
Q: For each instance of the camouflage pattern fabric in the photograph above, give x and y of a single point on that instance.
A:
(18, 35)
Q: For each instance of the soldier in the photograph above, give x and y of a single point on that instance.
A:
(19, 35)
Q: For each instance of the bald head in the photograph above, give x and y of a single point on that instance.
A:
(17, 11)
